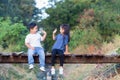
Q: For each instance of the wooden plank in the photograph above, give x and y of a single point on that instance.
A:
(69, 59)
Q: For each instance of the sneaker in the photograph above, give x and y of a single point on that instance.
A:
(52, 71)
(31, 66)
(61, 70)
(42, 68)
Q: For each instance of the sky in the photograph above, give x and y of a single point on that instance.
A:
(41, 3)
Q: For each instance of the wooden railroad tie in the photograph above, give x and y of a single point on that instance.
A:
(69, 58)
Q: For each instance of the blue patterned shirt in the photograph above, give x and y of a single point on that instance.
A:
(61, 42)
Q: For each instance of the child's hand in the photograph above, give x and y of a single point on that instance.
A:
(54, 31)
(66, 53)
(43, 32)
(32, 48)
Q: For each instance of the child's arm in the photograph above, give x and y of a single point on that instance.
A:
(44, 35)
(54, 34)
(66, 50)
(66, 45)
(27, 40)
(28, 45)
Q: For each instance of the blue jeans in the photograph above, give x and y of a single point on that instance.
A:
(40, 52)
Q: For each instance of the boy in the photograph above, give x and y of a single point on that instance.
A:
(32, 41)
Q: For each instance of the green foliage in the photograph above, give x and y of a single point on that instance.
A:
(107, 18)
(13, 34)
(64, 12)
(75, 38)
(4, 78)
(84, 37)
(25, 10)
(48, 43)
(118, 51)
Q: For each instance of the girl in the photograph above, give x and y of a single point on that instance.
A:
(60, 46)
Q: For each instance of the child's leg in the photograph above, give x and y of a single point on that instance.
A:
(41, 54)
(61, 55)
(30, 56)
(54, 52)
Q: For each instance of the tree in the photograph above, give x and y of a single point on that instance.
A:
(19, 10)
(107, 18)
(64, 12)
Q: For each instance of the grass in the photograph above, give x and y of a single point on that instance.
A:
(79, 72)
(105, 48)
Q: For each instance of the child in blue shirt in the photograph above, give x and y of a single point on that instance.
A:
(60, 46)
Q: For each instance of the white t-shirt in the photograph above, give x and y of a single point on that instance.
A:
(34, 40)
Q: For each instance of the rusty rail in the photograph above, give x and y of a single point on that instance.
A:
(70, 58)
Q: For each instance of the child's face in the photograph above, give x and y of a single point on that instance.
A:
(61, 30)
(34, 30)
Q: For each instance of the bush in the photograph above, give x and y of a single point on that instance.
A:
(13, 34)
(85, 37)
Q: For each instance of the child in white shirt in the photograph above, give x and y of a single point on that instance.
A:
(32, 41)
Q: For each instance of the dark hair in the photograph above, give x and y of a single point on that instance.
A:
(31, 25)
(66, 28)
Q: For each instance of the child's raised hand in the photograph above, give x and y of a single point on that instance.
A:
(43, 32)
(54, 31)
